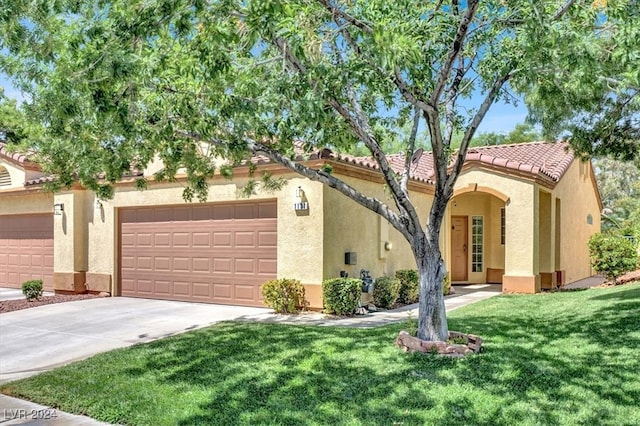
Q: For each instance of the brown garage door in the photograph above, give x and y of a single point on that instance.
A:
(214, 253)
(26, 249)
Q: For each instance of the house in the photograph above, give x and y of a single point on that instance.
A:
(521, 216)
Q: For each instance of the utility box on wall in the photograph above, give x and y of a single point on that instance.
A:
(350, 258)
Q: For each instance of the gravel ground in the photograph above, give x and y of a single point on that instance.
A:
(16, 305)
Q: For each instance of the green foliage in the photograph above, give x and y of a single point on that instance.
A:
(446, 284)
(580, 370)
(32, 289)
(114, 85)
(283, 295)
(619, 185)
(522, 132)
(612, 255)
(341, 295)
(385, 291)
(409, 285)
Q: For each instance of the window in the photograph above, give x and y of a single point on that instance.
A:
(502, 226)
(5, 178)
(477, 252)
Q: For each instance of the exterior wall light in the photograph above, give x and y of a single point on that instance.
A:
(301, 204)
(388, 246)
(58, 209)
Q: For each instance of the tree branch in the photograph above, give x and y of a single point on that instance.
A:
(471, 129)
(454, 51)
(409, 152)
(335, 11)
(564, 9)
(370, 203)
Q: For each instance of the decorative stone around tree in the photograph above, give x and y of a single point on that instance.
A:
(471, 344)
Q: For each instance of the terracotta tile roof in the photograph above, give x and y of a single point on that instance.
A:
(17, 158)
(547, 158)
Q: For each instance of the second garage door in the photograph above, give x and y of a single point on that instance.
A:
(26, 249)
(214, 253)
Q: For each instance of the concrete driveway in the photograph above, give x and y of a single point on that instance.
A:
(38, 339)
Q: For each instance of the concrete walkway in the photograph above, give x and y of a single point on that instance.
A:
(16, 293)
(98, 325)
(465, 295)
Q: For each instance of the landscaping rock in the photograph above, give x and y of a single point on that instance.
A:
(409, 343)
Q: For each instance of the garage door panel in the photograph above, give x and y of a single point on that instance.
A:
(219, 253)
(26, 249)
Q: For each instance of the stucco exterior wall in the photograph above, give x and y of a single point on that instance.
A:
(519, 245)
(299, 237)
(578, 201)
(349, 227)
(488, 206)
(25, 202)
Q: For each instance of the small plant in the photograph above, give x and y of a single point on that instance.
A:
(612, 255)
(32, 289)
(446, 284)
(411, 325)
(341, 295)
(385, 291)
(284, 295)
(409, 285)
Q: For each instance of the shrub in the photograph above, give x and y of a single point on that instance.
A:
(612, 255)
(446, 284)
(341, 295)
(283, 295)
(409, 285)
(385, 291)
(32, 289)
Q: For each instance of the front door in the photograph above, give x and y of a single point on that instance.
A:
(459, 239)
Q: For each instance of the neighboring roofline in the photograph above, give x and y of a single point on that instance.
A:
(18, 159)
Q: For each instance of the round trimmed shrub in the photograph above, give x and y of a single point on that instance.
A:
(284, 295)
(409, 285)
(385, 291)
(32, 289)
(341, 295)
(612, 255)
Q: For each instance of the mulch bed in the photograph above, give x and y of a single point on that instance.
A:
(626, 278)
(18, 304)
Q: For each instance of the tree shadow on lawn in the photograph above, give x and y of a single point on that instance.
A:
(570, 368)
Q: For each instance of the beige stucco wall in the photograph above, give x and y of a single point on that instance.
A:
(69, 232)
(18, 175)
(299, 237)
(578, 200)
(25, 202)
(521, 249)
(349, 227)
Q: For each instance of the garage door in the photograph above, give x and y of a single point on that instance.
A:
(214, 253)
(26, 249)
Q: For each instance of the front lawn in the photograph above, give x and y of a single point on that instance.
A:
(560, 358)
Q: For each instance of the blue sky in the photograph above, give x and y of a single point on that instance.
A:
(501, 118)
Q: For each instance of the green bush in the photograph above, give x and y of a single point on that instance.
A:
(341, 295)
(409, 285)
(32, 289)
(612, 255)
(385, 291)
(283, 295)
(446, 284)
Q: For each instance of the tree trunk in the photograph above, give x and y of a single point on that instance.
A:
(432, 316)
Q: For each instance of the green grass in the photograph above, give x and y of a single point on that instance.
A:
(562, 358)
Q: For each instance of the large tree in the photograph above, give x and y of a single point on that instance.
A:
(116, 82)
(593, 95)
